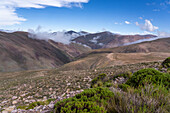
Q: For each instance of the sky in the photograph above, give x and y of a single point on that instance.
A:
(117, 16)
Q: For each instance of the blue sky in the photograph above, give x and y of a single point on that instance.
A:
(120, 16)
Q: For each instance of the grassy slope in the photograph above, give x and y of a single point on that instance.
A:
(18, 52)
(52, 82)
(101, 60)
(143, 52)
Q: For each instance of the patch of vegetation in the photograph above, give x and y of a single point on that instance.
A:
(124, 87)
(94, 100)
(149, 76)
(34, 104)
(148, 99)
(125, 75)
(166, 63)
(98, 81)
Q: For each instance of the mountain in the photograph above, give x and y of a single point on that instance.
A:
(108, 39)
(151, 51)
(159, 45)
(19, 52)
(72, 49)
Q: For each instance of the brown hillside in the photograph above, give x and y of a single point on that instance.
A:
(18, 52)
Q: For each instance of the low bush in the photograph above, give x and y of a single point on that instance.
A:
(96, 82)
(166, 63)
(98, 96)
(149, 99)
(82, 107)
(149, 76)
(35, 104)
(124, 87)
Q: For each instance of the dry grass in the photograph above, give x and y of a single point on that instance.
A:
(102, 60)
(31, 86)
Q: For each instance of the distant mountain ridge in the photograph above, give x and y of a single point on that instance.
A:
(108, 39)
(151, 51)
(20, 52)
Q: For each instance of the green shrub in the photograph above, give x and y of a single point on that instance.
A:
(108, 84)
(149, 76)
(168, 70)
(35, 104)
(166, 63)
(148, 99)
(22, 107)
(98, 84)
(100, 77)
(82, 107)
(98, 96)
(124, 87)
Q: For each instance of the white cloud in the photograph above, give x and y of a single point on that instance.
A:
(8, 16)
(127, 22)
(163, 34)
(148, 26)
(59, 36)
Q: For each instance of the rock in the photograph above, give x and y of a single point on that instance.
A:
(51, 89)
(4, 111)
(4, 102)
(14, 97)
(14, 102)
(51, 106)
(9, 109)
(39, 108)
(26, 100)
(44, 98)
(68, 84)
(68, 90)
(15, 111)
(23, 95)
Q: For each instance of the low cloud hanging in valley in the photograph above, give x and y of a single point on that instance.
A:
(59, 36)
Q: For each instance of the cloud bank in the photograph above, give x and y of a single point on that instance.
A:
(148, 26)
(8, 16)
(60, 36)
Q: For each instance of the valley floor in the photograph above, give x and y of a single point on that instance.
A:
(23, 88)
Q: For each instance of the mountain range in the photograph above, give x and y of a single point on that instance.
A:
(20, 52)
(108, 39)
(149, 51)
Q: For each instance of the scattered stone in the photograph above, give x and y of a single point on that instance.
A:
(14, 97)
(44, 98)
(14, 102)
(9, 109)
(68, 84)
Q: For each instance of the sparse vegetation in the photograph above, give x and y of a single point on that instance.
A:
(125, 75)
(166, 63)
(146, 90)
(149, 76)
(34, 104)
(91, 100)
(148, 99)
(98, 81)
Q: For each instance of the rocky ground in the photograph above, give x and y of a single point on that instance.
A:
(23, 88)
